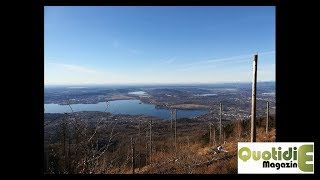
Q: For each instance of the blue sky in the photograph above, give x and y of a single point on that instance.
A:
(124, 45)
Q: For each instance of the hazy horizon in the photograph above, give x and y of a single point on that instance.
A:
(124, 84)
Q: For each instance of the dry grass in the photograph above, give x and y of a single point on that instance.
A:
(194, 154)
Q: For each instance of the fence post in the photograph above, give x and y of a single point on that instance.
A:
(64, 134)
(209, 134)
(150, 150)
(220, 133)
(146, 156)
(171, 119)
(239, 128)
(175, 130)
(188, 142)
(253, 99)
(267, 121)
(139, 144)
(132, 152)
(69, 152)
(224, 135)
(46, 159)
(214, 136)
(171, 127)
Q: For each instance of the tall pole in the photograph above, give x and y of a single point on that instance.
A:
(171, 127)
(220, 133)
(139, 144)
(150, 150)
(267, 121)
(253, 99)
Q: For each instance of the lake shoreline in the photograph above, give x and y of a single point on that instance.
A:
(158, 105)
(128, 106)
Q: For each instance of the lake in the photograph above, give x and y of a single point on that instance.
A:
(131, 107)
(138, 93)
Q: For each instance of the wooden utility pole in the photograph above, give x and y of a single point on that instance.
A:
(139, 144)
(267, 121)
(220, 133)
(253, 99)
(132, 153)
(150, 150)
